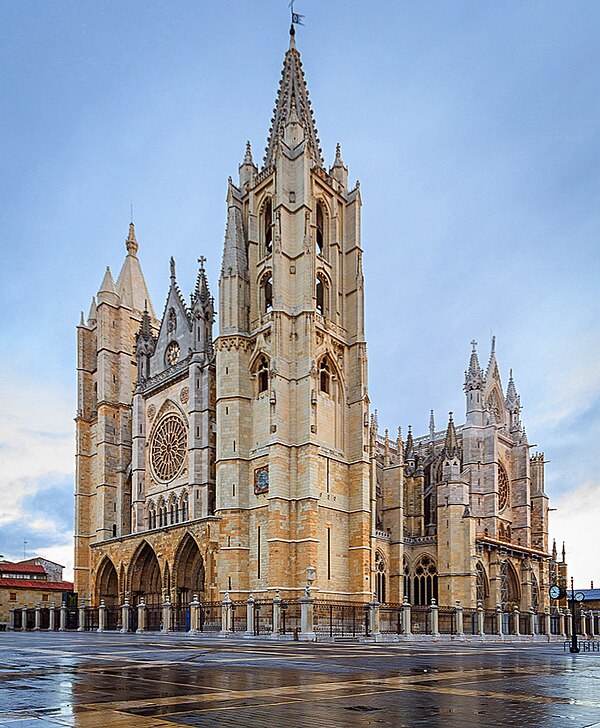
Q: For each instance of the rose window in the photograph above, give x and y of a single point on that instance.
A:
(172, 353)
(169, 447)
(503, 488)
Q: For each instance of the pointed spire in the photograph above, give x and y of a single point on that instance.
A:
(431, 426)
(338, 161)
(131, 243)
(248, 155)
(81, 320)
(108, 283)
(400, 446)
(93, 313)
(235, 254)
(409, 453)
(554, 551)
(474, 374)
(172, 267)
(145, 325)
(451, 441)
(201, 291)
(339, 171)
(492, 367)
(292, 98)
(564, 554)
(513, 401)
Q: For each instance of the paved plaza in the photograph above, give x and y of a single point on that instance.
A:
(141, 681)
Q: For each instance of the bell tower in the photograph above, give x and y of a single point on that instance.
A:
(293, 483)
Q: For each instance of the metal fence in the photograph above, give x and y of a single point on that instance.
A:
(446, 620)
(340, 619)
(210, 617)
(391, 619)
(290, 616)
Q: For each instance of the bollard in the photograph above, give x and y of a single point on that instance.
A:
(306, 618)
(102, 616)
(194, 615)
(250, 616)
(24, 618)
(141, 613)
(63, 618)
(460, 627)
(276, 614)
(516, 625)
(81, 616)
(406, 617)
(166, 615)
(435, 618)
(480, 619)
(374, 618)
(38, 618)
(125, 616)
(499, 620)
(51, 617)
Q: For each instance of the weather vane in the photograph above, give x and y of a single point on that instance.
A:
(296, 17)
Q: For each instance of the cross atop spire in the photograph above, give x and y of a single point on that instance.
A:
(292, 98)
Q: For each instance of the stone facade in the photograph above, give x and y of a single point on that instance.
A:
(235, 466)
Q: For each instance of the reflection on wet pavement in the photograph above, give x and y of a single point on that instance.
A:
(141, 681)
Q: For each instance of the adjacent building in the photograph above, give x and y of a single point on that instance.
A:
(30, 583)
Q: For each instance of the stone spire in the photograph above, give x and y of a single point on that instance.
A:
(131, 284)
(513, 405)
(474, 374)
(492, 367)
(409, 453)
(203, 311)
(108, 283)
(431, 427)
(93, 314)
(400, 446)
(451, 441)
(564, 554)
(339, 171)
(145, 343)
(247, 168)
(235, 255)
(554, 551)
(292, 99)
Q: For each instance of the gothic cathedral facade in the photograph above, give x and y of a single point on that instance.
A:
(241, 463)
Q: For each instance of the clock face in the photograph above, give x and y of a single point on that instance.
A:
(579, 596)
(554, 591)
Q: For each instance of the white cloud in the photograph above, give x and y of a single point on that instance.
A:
(36, 441)
(575, 522)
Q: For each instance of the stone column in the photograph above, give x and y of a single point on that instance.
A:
(226, 626)
(125, 616)
(480, 619)
(24, 618)
(250, 616)
(166, 615)
(141, 611)
(499, 615)
(11, 619)
(460, 622)
(81, 616)
(582, 622)
(374, 619)
(194, 615)
(435, 618)
(63, 617)
(516, 625)
(547, 622)
(532, 621)
(102, 616)
(307, 630)
(406, 618)
(561, 623)
(592, 625)
(276, 614)
(51, 617)
(38, 618)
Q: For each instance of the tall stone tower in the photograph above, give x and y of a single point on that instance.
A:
(293, 483)
(106, 376)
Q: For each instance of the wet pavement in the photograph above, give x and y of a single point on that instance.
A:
(140, 681)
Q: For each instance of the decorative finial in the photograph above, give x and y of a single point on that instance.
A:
(131, 242)
(202, 261)
(172, 264)
(474, 345)
(493, 345)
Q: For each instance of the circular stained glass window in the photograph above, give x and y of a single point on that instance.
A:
(503, 488)
(169, 447)
(172, 354)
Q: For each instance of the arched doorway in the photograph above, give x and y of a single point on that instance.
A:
(107, 584)
(188, 571)
(144, 577)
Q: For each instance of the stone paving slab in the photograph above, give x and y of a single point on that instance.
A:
(89, 680)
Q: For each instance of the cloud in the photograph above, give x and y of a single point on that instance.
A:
(36, 477)
(575, 522)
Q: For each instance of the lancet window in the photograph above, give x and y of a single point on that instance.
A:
(266, 293)
(262, 375)
(425, 581)
(380, 578)
(325, 376)
(268, 226)
(320, 228)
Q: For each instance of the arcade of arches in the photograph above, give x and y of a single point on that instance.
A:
(144, 578)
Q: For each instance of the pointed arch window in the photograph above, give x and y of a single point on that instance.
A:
(262, 375)
(268, 226)
(407, 580)
(425, 581)
(325, 376)
(320, 228)
(184, 507)
(509, 588)
(535, 592)
(380, 578)
(503, 487)
(481, 583)
(266, 293)
(322, 295)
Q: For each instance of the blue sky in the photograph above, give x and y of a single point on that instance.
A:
(472, 126)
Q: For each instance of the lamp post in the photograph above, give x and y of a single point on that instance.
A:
(574, 646)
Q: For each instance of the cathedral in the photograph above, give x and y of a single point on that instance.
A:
(246, 460)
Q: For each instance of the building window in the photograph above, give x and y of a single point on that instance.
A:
(325, 376)
(320, 228)
(114, 530)
(407, 580)
(322, 295)
(425, 581)
(266, 293)
(262, 375)
(268, 226)
(184, 507)
(509, 587)
(44, 597)
(481, 583)
(13, 596)
(503, 487)
(380, 578)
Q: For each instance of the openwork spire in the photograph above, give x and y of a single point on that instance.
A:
(474, 374)
(293, 105)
